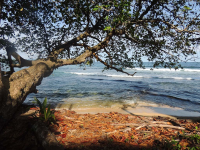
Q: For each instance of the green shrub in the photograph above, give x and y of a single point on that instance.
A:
(45, 112)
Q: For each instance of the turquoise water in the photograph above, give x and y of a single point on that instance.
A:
(90, 87)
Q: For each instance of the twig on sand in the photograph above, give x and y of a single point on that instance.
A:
(166, 126)
(141, 126)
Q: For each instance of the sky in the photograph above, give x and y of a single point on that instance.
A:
(144, 59)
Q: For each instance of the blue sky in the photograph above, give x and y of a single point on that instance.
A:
(24, 55)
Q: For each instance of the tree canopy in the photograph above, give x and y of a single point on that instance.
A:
(116, 33)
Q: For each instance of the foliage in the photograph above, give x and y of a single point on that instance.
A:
(193, 139)
(45, 113)
(100, 131)
(119, 33)
(173, 144)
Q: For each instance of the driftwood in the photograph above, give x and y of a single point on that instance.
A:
(125, 124)
(151, 124)
(166, 126)
(160, 122)
(141, 126)
(161, 125)
(112, 132)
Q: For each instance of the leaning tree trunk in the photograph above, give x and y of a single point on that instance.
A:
(1, 86)
(15, 88)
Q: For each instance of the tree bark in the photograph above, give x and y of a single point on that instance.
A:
(15, 88)
(1, 86)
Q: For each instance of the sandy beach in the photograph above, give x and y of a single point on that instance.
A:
(141, 110)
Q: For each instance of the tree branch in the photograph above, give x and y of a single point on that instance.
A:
(149, 32)
(78, 60)
(195, 39)
(81, 44)
(90, 50)
(62, 47)
(165, 22)
(131, 39)
(111, 67)
(68, 44)
(110, 57)
(23, 62)
(139, 8)
(148, 9)
(175, 28)
(95, 38)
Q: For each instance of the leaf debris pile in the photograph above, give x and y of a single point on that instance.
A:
(107, 131)
(122, 131)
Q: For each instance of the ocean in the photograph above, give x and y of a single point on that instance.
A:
(87, 87)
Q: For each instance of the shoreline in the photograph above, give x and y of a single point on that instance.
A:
(163, 111)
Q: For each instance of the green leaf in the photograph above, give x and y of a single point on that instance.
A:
(45, 102)
(38, 102)
(95, 9)
(107, 28)
(48, 112)
(53, 116)
(187, 8)
(45, 114)
(107, 17)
